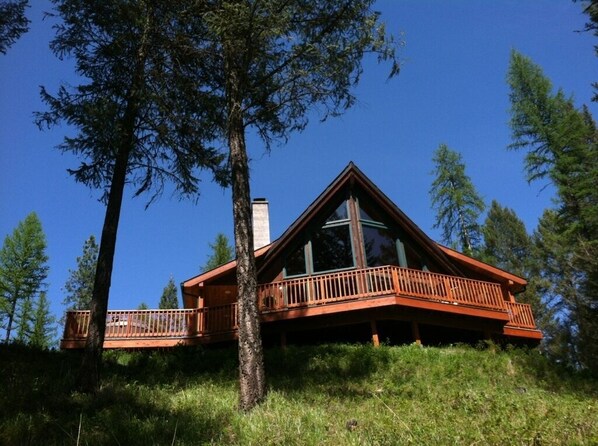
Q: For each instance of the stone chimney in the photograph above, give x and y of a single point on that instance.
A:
(261, 222)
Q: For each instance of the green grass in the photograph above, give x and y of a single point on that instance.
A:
(324, 395)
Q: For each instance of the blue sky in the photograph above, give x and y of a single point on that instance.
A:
(451, 90)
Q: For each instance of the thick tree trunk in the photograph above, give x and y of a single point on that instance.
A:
(251, 357)
(89, 374)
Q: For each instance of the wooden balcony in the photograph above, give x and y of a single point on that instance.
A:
(311, 296)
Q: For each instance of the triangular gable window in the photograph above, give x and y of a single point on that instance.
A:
(341, 213)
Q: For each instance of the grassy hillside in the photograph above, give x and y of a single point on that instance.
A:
(331, 395)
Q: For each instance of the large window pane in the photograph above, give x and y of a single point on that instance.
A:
(380, 246)
(295, 264)
(331, 248)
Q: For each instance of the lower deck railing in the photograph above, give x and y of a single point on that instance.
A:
(157, 323)
(306, 292)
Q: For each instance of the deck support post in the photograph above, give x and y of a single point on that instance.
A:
(415, 332)
(283, 339)
(487, 335)
(375, 339)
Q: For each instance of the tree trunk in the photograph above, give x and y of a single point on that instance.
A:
(11, 317)
(89, 374)
(251, 357)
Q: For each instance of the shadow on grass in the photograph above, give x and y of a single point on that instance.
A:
(133, 406)
(189, 394)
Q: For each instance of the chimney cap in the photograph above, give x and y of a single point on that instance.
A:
(261, 199)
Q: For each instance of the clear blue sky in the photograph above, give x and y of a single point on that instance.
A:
(451, 90)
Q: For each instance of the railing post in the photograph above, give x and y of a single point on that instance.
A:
(447, 288)
(395, 280)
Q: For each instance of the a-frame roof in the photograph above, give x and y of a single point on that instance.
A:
(352, 176)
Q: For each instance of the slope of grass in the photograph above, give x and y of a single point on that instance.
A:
(331, 395)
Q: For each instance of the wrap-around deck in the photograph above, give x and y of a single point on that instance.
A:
(338, 292)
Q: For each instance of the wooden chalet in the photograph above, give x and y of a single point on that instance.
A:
(352, 267)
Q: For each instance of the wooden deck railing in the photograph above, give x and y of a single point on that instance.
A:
(380, 281)
(305, 292)
(520, 315)
(156, 323)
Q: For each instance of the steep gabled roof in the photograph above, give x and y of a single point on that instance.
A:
(351, 176)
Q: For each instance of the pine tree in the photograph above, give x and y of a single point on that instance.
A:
(139, 117)
(79, 285)
(13, 22)
(273, 62)
(591, 9)
(458, 205)
(506, 241)
(169, 299)
(43, 330)
(562, 146)
(508, 246)
(222, 253)
(23, 271)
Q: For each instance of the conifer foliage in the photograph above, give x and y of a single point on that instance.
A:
(79, 285)
(222, 253)
(458, 205)
(23, 272)
(13, 22)
(169, 299)
(561, 144)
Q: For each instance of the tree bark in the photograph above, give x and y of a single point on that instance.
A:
(89, 374)
(251, 357)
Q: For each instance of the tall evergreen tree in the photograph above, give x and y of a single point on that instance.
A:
(222, 253)
(508, 245)
(591, 9)
(562, 146)
(169, 299)
(139, 117)
(562, 290)
(506, 241)
(23, 270)
(273, 62)
(458, 205)
(79, 285)
(43, 329)
(13, 22)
